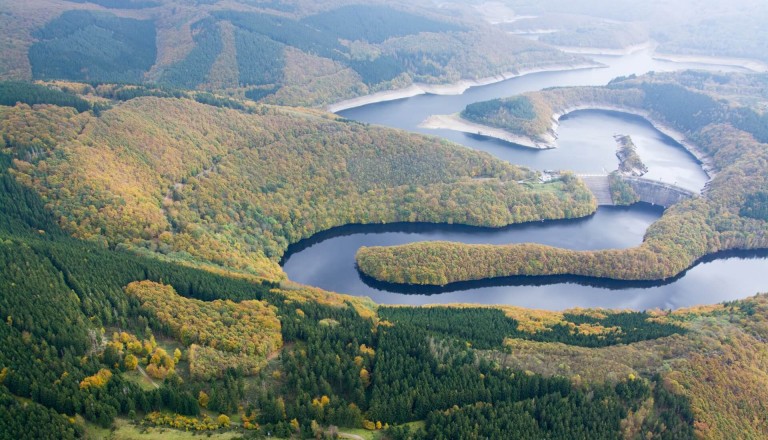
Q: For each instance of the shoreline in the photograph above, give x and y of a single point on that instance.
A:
(456, 88)
(674, 134)
(749, 64)
(744, 63)
(603, 51)
(456, 123)
(461, 86)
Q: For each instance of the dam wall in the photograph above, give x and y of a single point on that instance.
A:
(649, 191)
(658, 193)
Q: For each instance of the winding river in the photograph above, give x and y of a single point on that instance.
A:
(585, 145)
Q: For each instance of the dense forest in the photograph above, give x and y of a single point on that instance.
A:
(195, 68)
(13, 92)
(334, 370)
(374, 23)
(261, 50)
(488, 328)
(511, 114)
(146, 199)
(91, 46)
(192, 345)
(726, 217)
(231, 188)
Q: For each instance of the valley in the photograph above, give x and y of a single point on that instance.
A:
(192, 244)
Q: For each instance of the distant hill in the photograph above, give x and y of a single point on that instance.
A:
(687, 27)
(279, 51)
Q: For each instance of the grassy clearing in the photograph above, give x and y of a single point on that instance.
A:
(139, 379)
(355, 433)
(125, 430)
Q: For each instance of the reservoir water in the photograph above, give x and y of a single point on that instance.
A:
(585, 145)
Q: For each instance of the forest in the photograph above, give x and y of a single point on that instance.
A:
(332, 355)
(13, 92)
(228, 188)
(375, 24)
(99, 312)
(195, 68)
(255, 50)
(622, 192)
(510, 114)
(91, 46)
(486, 328)
(719, 220)
(321, 34)
(146, 199)
(218, 334)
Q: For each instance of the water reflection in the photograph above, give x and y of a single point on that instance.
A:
(327, 259)
(723, 277)
(550, 280)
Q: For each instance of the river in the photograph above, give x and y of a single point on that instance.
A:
(585, 145)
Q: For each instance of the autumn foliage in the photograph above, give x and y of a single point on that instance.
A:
(220, 334)
(227, 188)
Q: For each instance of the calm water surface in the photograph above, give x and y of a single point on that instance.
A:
(586, 145)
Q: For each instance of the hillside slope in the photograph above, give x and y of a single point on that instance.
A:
(79, 334)
(234, 188)
(260, 50)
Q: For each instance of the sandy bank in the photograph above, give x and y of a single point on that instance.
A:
(456, 88)
(549, 139)
(745, 63)
(457, 123)
(629, 50)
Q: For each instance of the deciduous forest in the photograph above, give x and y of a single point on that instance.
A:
(258, 180)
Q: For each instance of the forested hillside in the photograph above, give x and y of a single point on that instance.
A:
(731, 139)
(66, 48)
(344, 364)
(260, 50)
(153, 173)
(233, 188)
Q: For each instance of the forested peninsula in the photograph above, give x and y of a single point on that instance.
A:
(729, 134)
(232, 188)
